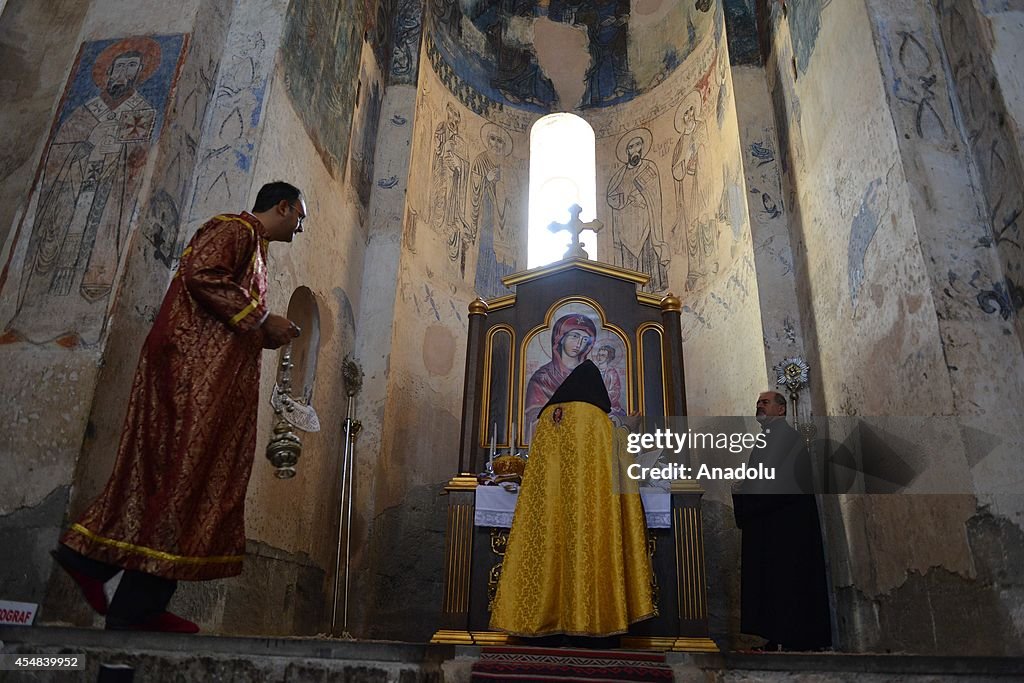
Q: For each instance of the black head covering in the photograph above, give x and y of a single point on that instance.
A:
(583, 384)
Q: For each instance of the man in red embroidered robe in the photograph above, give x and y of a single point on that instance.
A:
(173, 508)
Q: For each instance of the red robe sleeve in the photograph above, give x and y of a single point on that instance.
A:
(219, 271)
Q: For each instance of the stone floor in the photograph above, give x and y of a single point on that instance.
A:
(159, 658)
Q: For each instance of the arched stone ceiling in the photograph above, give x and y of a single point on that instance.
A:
(545, 55)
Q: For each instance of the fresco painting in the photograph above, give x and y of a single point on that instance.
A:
(320, 53)
(405, 51)
(449, 173)
(741, 28)
(805, 23)
(862, 232)
(227, 158)
(364, 135)
(160, 223)
(88, 186)
(627, 54)
(634, 195)
(691, 172)
(381, 32)
(492, 188)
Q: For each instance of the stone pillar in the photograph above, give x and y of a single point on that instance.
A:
(899, 273)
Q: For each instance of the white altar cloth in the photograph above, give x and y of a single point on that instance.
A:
(495, 507)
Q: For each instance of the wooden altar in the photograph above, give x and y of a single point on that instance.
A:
(639, 342)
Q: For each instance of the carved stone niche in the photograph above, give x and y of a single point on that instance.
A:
(304, 312)
(293, 393)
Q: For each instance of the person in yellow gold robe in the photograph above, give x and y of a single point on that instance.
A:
(576, 561)
(173, 507)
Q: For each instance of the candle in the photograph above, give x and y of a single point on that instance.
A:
(494, 442)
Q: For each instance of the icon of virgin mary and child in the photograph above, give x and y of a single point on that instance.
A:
(572, 340)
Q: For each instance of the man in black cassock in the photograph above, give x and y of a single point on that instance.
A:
(782, 575)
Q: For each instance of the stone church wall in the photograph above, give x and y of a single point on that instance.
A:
(36, 457)
(769, 221)
(874, 164)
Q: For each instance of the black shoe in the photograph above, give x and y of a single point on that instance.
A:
(593, 642)
(91, 588)
(552, 641)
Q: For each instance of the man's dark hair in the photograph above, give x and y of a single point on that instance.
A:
(610, 349)
(272, 193)
(780, 399)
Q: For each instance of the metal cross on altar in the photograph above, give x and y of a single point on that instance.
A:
(575, 226)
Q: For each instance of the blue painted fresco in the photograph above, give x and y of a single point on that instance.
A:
(862, 232)
(88, 184)
(469, 95)
(506, 71)
(382, 31)
(321, 56)
(996, 300)
(804, 25)
(405, 51)
(741, 27)
(154, 88)
(608, 79)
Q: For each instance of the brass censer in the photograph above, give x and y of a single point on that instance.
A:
(285, 446)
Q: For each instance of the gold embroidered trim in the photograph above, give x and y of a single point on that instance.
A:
(244, 312)
(158, 554)
(186, 252)
(225, 217)
(254, 303)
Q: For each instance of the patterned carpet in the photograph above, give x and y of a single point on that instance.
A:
(562, 664)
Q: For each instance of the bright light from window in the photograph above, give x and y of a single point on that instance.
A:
(562, 173)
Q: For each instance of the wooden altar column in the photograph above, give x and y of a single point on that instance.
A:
(687, 523)
(472, 389)
(458, 559)
(672, 352)
(458, 562)
(691, 578)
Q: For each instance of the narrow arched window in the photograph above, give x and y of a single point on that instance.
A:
(562, 173)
